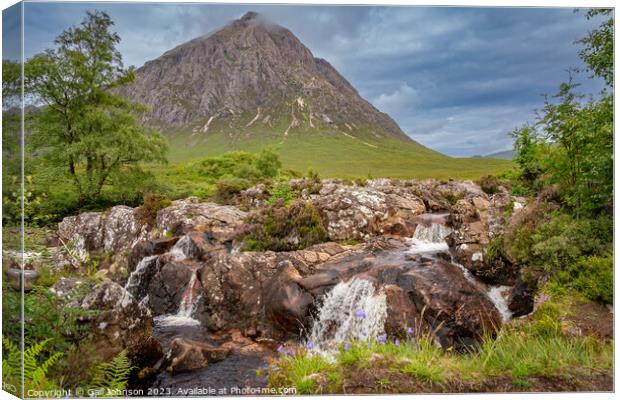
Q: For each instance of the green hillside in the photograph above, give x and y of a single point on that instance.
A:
(334, 154)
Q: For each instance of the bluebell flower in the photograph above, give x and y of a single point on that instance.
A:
(360, 313)
(347, 346)
(280, 349)
(286, 353)
(364, 334)
(383, 338)
(396, 342)
(309, 345)
(409, 331)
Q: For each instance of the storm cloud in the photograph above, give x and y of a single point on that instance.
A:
(457, 80)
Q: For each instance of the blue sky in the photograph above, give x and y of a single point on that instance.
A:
(457, 80)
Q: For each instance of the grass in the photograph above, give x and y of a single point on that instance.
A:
(331, 153)
(532, 348)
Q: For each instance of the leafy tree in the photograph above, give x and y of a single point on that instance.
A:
(598, 51)
(84, 126)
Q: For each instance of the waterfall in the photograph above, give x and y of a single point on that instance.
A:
(187, 307)
(429, 239)
(496, 295)
(135, 282)
(183, 249)
(351, 310)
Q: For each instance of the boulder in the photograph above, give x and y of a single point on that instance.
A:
(114, 231)
(120, 323)
(147, 248)
(187, 355)
(352, 212)
(191, 214)
(16, 275)
(521, 300)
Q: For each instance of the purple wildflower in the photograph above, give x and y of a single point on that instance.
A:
(383, 338)
(309, 345)
(280, 349)
(396, 342)
(347, 346)
(409, 331)
(364, 334)
(286, 353)
(360, 313)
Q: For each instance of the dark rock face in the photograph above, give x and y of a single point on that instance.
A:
(147, 248)
(521, 301)
(252, 73)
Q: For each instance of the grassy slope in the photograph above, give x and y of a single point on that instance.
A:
(333, 154)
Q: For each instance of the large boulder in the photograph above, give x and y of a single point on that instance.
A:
(119, 323)
(187, 355)
(115, 230)
(352, 212)
(191, 214)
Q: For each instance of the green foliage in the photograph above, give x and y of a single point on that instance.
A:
(283, 228)
(281, 192)
(228, 187)
(110, 378)
(34, 369)
(268, 163)
(86, 130)
(598, 51)
(592, 276)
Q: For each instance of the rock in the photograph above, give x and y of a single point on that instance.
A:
(147, 248)
(521, 300)
(186, 215)
(187, 355)
(15, 278)
(168, 285)
(358, 212)
(120, 323)
(403, 318)
(114, 230)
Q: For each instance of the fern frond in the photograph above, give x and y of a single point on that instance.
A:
(40, 373)
(30, 358)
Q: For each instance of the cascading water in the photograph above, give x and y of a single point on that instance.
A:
(187, 307)
(182, 249)
(351, 310)
(135, 283)
(432, 239)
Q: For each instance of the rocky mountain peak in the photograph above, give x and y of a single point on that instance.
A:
(254, 73)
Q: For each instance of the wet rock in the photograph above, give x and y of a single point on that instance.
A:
(190, 214)
(403, 318)
(168, 285)
(521, 300)
(120, 323)
(188, 355)
(147, 248)
(453, 307)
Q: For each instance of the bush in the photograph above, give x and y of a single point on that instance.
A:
(152, 203)
(490, 184)
(593, 277)
(283, 192)
(283, 228)
(228, 187)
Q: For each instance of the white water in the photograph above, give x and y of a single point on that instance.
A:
(135, 279)
(181, 249)
(189, 303)
(495, 293)
(431, 239)
(351, 310)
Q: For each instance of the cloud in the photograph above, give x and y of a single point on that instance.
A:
(455, 79)
(402, 99)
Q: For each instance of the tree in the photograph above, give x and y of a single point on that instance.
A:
(598, 51)
(83, 126)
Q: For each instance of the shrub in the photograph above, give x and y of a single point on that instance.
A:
(283, 192)
(268, 163)
(490, 184)
(228, 187)
(152, 203)
(283, 228)
(593, 277)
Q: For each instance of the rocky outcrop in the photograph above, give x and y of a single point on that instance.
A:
(190, 214)
(187, 355)
(352, 212)
(119, 323)
(114, 231)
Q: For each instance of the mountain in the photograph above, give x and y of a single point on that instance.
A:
(253, 72)
(500, 155)
(253, 83)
